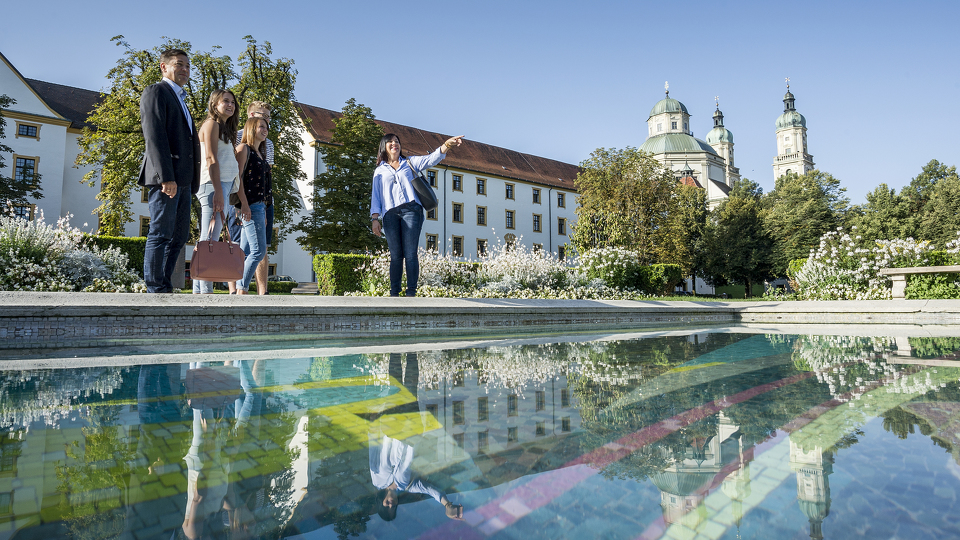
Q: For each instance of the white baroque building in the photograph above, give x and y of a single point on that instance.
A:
(705, 164)
(792, 152)
(487, 194)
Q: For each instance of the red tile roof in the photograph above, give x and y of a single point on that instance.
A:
(473, 156)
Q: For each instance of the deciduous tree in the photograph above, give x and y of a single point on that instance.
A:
(625, 199)
(799, 210)
(340, 219)
(739, 249)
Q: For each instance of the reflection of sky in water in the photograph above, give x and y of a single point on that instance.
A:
(722, 435)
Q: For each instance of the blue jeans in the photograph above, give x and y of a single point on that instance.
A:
(401, 226)
(205, 196)
(253, 242)
(169, 231)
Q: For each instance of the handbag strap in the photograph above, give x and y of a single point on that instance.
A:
(213, 223)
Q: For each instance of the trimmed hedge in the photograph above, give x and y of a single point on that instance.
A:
(935, 286)
(658, 278)
(280, 287)
(133, 247)
(338, 273)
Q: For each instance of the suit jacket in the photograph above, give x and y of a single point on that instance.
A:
(172, 150)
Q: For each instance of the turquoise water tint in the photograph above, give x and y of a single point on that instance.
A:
(707, 435)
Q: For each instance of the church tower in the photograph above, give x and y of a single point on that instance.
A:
(721, 140)
(792, 152)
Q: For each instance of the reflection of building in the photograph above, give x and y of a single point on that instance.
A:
(482, 420)
(687, 481)
(813, 485)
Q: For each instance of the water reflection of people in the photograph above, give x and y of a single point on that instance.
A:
(391, 460)
(226, 404)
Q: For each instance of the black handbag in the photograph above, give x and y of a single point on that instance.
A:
(428, 197)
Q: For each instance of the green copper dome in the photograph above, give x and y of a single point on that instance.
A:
(668, 105)
(719, 134)
(675, 143)
(791, 119)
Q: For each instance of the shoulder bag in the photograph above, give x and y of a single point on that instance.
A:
(217, 261)
(428, 197)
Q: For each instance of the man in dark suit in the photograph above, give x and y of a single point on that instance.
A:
(170, 170)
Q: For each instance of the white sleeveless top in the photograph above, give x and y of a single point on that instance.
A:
(229, 169)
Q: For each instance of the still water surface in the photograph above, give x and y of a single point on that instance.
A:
(706, 435)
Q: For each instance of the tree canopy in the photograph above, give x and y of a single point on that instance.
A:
(625, 199)
(799, 210)
(340, 219)
(738, 248)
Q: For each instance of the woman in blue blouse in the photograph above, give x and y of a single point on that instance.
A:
(395, 203)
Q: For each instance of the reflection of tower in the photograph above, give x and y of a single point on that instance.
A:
(737, 484)
(813, 486)
(685, 483)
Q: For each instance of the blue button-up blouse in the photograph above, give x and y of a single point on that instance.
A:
(391, 188)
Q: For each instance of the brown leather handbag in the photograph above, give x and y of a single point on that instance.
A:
(217, 261)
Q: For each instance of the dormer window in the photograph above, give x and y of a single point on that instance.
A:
(659, 127)
(673, 125)
(684, 126)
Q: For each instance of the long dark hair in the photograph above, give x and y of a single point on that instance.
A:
(228, 126)
(382, 153)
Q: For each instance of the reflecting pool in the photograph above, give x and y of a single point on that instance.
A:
(706, 434)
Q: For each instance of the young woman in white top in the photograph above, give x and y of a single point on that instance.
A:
(220, 167)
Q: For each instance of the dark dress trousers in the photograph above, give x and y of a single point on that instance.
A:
(171, 154)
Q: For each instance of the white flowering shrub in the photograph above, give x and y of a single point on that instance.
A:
(38, 256)
(511, 267)
(514, 271)
(617, 267)
(845, 267)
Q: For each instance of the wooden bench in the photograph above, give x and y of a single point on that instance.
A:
(899, 276)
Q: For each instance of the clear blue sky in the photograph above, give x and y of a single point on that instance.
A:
(878, 82)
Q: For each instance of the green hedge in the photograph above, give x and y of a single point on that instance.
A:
(280, 287)
(658, 278)
(338, 273)
(935, 286)
(133, 247)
